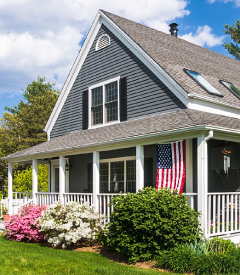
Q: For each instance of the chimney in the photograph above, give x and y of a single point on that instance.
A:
(173, 29)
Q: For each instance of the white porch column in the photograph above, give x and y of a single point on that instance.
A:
(61, 177)
(49, 177)
(202, 177)
(189, 166)
(96, 179)
(139, 167)
(10, 192)
(34, 179)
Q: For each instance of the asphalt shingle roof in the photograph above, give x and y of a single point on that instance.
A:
(174, 54)
(135, 128)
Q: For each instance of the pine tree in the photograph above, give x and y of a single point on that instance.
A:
(234, 31)
(22, 126)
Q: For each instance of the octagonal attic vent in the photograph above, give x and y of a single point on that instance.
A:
(103, 41)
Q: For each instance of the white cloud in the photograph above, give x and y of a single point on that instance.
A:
(41, 38)
(203, 36)
(237, 2)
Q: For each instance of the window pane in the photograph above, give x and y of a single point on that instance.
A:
(112, 111)
(231, 87)
(131, 176)
(103, 177)
(204, 83)
(111, 91)
(97, 96)
(97, 115)
(117, 177)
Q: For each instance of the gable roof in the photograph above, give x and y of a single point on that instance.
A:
(166, 56)
(168, 124)
(174, 54)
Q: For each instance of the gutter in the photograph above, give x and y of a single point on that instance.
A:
(208, 99)
(131, 140)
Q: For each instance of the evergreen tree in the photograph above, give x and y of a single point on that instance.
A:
(234, 31)
(22, 126)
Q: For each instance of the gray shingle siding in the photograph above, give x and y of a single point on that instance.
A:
(146, 94)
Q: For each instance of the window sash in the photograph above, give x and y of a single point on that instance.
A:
(121, 176)
(104, 96)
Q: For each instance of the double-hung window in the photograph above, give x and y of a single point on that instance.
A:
(118, 175)
(104, 103)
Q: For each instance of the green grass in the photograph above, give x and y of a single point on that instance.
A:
(29, 259)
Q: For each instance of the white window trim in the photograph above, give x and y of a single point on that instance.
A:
(124, 159)
(90, 126)
(96, 48)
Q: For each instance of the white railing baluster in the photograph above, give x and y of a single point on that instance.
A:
(231, 212)
(209, 214)
(235, 210)
(227, 215)
(223, 213)
(214, 214)
(218, 213)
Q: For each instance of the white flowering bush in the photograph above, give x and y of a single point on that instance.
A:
(65, 226)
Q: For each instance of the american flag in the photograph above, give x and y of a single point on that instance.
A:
(171, 166)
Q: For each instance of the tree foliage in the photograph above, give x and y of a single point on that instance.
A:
(22, 180)
(234, 31)
(22, 126)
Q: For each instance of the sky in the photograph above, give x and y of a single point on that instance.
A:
(43, 37)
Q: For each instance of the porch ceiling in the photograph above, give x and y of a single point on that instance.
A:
(157, 128)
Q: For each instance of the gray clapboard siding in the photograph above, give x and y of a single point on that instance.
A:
(146, 94)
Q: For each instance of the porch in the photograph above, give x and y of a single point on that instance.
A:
(97, 175)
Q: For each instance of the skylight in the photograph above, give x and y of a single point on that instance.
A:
(231, 87)
(203, 83)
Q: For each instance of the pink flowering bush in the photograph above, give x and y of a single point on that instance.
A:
(22, 227)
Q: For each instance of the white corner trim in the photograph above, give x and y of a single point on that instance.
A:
(73, 74)
(211, 106)
(138, 51)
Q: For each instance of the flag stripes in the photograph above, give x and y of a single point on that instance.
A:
(171, 166)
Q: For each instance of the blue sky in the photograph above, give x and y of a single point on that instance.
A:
(42, 38)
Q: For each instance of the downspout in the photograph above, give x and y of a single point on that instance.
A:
(210, 135)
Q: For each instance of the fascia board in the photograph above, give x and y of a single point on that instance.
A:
(214, 107)
(73, 74)
(146, 59)
(138, 51)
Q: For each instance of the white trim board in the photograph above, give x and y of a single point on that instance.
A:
(187, 99)
(133, 46)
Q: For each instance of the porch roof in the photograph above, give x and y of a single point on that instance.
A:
(182, 120)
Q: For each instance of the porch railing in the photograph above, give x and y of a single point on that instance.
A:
(192, 199)
(46, 198)
(78, 197)
(104, 204)
(223, 215)
(3, 206)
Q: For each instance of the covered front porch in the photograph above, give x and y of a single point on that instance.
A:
(96, 169)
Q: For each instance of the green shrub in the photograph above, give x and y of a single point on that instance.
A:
(142, 224)
(220, 246)
(197, 259)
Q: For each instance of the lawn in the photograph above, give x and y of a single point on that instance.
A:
(29, 259)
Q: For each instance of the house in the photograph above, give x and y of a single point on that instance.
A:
(130, 88)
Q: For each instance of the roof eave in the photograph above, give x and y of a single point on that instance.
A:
(165, 136)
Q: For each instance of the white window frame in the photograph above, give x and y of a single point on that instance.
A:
(109, 161)
(90, 126)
